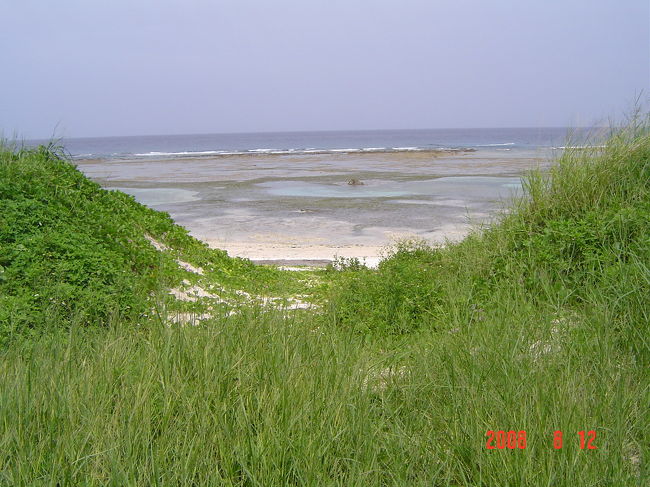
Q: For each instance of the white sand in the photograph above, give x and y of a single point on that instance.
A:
(285, 251)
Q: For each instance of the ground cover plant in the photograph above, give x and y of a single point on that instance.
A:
(539, 323)
(71, 251)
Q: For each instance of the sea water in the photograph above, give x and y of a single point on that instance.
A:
(156, 146)
(329, 189)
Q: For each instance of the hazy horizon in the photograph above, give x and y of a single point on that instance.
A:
(271, 132)
(78, 70)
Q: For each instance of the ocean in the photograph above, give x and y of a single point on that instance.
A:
(312, 196)
(157, 146)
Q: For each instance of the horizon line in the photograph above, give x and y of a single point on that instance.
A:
(568, 127)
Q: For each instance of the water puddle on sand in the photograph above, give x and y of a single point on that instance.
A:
(473, 187)
(161, 196)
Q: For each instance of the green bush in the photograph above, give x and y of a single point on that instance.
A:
(71, 251)
(579, 234)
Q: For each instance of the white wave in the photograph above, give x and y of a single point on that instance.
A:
(495, 145)
(183, 153)
(270, 151)
(580, 147)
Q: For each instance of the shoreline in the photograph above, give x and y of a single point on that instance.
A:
(311, 255)
(156, 156)
(283, 254)
(302, 210)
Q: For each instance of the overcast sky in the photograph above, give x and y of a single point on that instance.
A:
(130, 67)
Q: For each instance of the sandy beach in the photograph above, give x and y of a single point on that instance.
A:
(317, 249)
(300, 209)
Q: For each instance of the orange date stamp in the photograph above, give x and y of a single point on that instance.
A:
(517, 440)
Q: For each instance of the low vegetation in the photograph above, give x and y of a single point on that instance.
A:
(540, 323)
(72, 252)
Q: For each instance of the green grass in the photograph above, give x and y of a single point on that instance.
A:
(539, 323)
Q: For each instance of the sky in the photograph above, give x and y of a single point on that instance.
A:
(78, 68)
